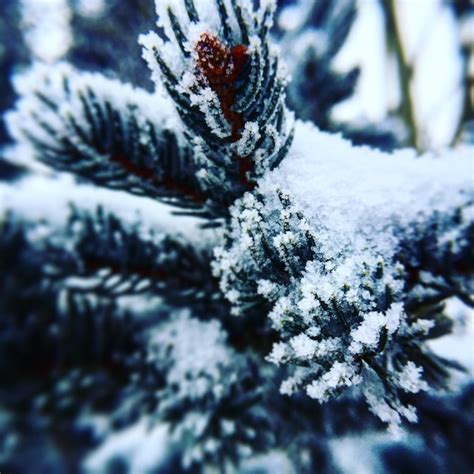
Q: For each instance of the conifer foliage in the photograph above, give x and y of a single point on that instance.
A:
(228, 86)
(296, 276)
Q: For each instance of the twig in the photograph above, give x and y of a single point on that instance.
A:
(405, 71)
(467, 114)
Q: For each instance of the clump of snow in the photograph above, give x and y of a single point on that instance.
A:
(247, 142)
(410, 378)
(201, 374)
(141, 447)
(46, 26)
(194, 355)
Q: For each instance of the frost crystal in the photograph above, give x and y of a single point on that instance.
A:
(339, 258)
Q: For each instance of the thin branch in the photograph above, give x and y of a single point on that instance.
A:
(467, 114)
(405, 71)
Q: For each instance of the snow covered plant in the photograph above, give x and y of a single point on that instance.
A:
(295, 265)
(352, 265)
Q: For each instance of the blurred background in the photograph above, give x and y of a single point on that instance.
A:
(405, 65)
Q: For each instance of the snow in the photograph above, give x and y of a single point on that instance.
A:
(361, 195)
(142, 446)
(368, 332)
(278, 353)
(151, 42)
(340, 374)
(336, 217)
(195, 355)
(250, 136)
(47, 198)
(410, 378)
(210, 106)
(46, 26)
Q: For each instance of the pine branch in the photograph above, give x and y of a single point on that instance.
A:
(354, 298)
(210, 399)
(106, 132)
(113, 261)
(96, 254)
(310, 47)
(61, 353)
(440, 262)
(228, 87)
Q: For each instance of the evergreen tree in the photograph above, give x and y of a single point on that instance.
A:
(192, 278)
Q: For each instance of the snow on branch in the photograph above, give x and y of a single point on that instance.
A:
(60, 353)
(114, 260)
(106, 132)
(210, 393)
(95, 253)
(347, 258)
(228, 84)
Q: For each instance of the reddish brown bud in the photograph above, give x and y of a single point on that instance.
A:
(213, 57)
(221, 67)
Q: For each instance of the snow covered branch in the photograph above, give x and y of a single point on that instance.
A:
(342, 258)
(61, 354)
(210, 392)
(106, 132)
(94, 253)
(227, 83)
(119, 318)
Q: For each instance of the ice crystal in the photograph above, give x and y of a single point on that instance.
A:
(329, 253)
